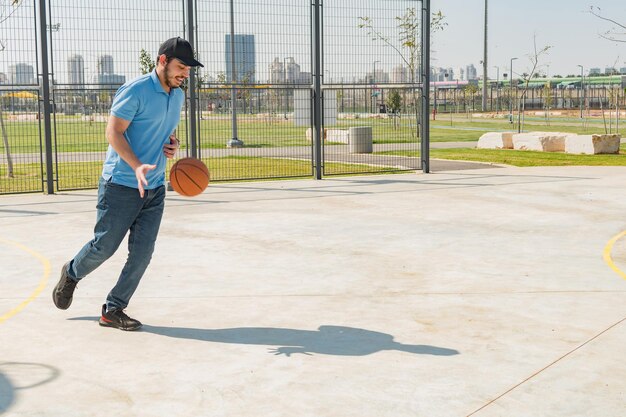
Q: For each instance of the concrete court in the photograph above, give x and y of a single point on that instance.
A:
(477, 292)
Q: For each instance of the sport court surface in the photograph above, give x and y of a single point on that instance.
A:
(480, 292)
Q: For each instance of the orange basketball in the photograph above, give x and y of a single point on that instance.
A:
(189, 176)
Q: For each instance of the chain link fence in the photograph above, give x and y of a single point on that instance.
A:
(249, 113)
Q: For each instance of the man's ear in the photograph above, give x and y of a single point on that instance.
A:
(162, 59)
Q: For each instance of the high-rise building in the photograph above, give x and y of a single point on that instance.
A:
(76, 70)
(439, 74)
(105, 64)
(399, 74)
(109, 80)
(610, 71)
(277, 72)
(451, 75)
(305, 77)
(3, 78)
(22, 74)
(471, 73)
(595, 71)
(380, 76)
(459, 74)
(434, 73)
(245, 58)
(292, 71)
(285, 71)
(106, 76)
(622, 70)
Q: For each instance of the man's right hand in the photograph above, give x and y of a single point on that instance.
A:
(140, 173)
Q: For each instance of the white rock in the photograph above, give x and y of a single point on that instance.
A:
(309, 134)
(496, 140)
(592, 144)
(332, 135)
(337, 135)
(540, 141)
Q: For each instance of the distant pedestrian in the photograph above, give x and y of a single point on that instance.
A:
(141, 135)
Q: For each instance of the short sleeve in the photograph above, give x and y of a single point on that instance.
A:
(125, 104)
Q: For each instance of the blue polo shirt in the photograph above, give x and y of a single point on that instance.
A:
(153, 115)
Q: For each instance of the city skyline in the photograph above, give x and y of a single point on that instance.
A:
(349, 53)
(566, 26)
(280, 71)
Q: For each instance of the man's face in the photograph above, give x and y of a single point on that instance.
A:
(175, 73)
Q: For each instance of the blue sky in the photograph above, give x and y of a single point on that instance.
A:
(565, 25)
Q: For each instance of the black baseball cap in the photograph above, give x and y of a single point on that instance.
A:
(180, 49)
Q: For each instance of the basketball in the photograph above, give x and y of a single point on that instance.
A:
(189, 176)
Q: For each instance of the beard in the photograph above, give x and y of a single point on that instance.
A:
(169, 80)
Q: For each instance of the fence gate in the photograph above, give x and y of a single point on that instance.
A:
(246, 109)
(371, 100)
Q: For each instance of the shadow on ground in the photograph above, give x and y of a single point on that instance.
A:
(16, 376)
(326, 340)
(7, 393)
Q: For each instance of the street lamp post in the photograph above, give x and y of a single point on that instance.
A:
(497, 88)
(505, 76)
(511, 100)
(374, 74)
(445, 94)
(373, 101)
(234, 142)
(484, 98)
(285, 91)
(582, 88)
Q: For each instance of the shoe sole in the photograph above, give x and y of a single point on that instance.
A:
(102, 322)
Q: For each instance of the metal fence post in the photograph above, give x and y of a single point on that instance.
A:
(45, 77)
(317, 82)
(193, 109)
(425, 151)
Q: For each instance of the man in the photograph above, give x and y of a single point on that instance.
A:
(131, 192)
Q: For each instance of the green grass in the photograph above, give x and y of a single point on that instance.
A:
(71, 134)
(81, 175)
(74, 135)
(522, 158)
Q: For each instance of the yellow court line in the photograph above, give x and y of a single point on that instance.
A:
(42, 283)
(607, 254)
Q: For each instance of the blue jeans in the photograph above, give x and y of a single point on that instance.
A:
(120, 210)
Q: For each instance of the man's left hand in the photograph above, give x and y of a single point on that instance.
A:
(169, 149)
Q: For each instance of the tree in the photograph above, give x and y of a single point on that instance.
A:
(546, 95)
(245, 94)
(614, 93)
(469, 91)
(617, 33)
(534, 58)
(394, 102)
(409, 49)
(7, 8)
(146, 63)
